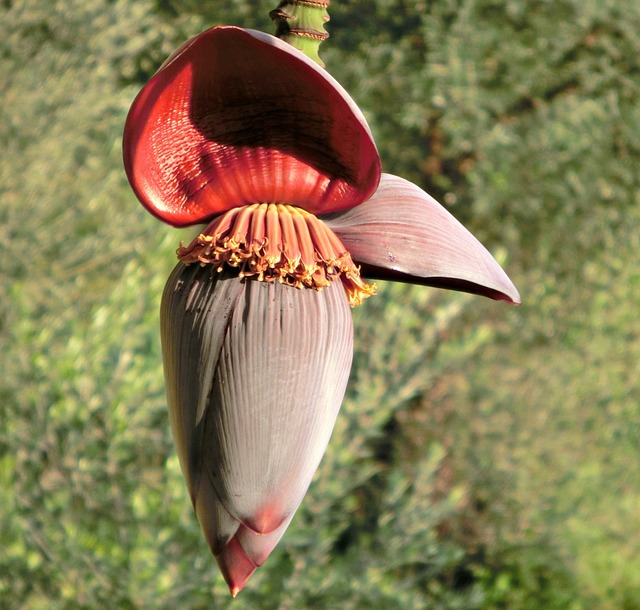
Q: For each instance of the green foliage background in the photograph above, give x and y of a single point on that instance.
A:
(486, 456)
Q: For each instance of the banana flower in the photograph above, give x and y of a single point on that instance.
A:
(242, 131)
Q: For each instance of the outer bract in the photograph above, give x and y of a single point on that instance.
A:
(255, 374)
(404, 234)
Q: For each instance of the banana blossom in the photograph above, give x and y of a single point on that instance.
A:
(242, 131)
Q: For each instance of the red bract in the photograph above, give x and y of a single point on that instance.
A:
(234, 118)
(243, 131)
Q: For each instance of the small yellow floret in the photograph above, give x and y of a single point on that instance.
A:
(276, 242)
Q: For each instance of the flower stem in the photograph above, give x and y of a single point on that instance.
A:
(301, 24)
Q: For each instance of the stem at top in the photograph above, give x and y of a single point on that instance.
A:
(301, 24)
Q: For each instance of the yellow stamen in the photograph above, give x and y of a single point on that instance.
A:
(276, 242)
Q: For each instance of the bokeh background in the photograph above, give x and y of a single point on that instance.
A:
(486, 456)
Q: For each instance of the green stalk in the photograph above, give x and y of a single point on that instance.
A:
(301, 24)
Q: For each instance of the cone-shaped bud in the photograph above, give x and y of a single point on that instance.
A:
(255, 374)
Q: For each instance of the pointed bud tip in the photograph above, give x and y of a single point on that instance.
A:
(235, 566)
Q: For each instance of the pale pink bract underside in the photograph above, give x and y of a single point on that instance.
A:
(403, 234)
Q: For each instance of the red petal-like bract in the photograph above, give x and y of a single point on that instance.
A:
(404, 234)
(256, 373)
(236, 117)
